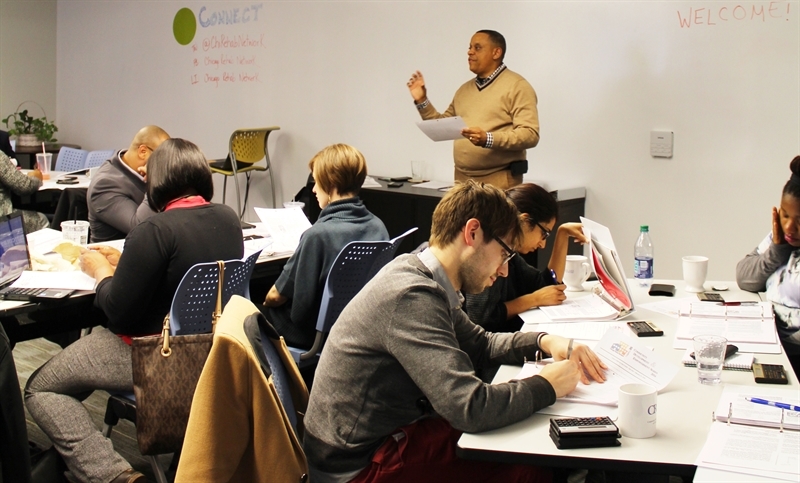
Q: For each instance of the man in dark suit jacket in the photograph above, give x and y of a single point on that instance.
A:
(5, 145)
(116, 194)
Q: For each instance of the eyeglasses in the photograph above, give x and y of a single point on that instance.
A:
(148, 147)
(511, 253)
(545, 231)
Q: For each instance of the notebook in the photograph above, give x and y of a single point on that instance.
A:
(741, 361)
(15, 259)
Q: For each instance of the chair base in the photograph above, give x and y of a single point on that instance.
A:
(123, 406)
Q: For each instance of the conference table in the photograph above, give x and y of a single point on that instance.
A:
(685, 410)
(29, 320)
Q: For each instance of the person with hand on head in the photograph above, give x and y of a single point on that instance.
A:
(403, 354)
(499, 106)
(497, 308)
(116, 196)
(15, 181)
(292, 304)
(774, 267)
(135, 290)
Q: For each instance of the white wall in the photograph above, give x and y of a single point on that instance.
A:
(607, 73)
(28, 57)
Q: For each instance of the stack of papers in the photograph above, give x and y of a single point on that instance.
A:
(753, 444)
(750, 327)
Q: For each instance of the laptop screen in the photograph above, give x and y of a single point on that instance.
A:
(14, 257)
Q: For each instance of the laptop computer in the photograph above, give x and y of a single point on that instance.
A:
(15, 259)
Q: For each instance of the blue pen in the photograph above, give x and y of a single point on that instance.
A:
(553, 275)
(789, 407)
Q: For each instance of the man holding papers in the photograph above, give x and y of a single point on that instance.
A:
(499, 106)
(396, 383)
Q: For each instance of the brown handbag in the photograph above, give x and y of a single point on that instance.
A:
(166, 369)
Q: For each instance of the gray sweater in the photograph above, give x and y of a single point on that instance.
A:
(401, 339)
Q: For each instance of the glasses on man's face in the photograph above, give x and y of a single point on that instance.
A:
(148, 147)
(511, 253)
(545, 231)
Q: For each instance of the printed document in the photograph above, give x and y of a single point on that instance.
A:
(751, 450)
(285, 225)
(444, 129)
(628, 361)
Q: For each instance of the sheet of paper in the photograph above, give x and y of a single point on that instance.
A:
(761, 331)
(760, 310)
(285, 225)
(668, 306)
(44, 240)
(751, 449)
(76, 280)
(434, 185)
(745, 412)
(444, 129)
(774, 348)
(589, 331)
(369, 182)
(628, 361)
(581, 309)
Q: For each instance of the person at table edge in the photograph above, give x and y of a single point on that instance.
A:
(774, 267)
(396, 383)
(499, 106)
(116, 196)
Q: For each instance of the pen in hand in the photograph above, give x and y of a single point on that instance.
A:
(789, 407)
(554, 277)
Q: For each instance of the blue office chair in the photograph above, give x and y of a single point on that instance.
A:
(96, 158)
(70, 159)
(355, 265)
(192, 312)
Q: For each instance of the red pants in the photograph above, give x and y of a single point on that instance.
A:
(426, 451)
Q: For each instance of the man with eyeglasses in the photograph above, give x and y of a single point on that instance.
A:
(116, 195)
(396, 384)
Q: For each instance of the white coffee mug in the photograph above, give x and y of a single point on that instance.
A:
(576, 271)
(637, 410)
(695, 270)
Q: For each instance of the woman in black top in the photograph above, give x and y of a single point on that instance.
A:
(135, 290)
(496, 309)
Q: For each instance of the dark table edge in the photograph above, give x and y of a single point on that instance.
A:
(567, 461)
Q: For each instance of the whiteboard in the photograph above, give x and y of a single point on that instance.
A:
(724, 77)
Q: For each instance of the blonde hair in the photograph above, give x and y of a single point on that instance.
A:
(339, 167)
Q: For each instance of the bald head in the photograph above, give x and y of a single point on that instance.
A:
(147, 140)
(150, 136)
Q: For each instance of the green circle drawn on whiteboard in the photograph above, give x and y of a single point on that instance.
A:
(184, 26)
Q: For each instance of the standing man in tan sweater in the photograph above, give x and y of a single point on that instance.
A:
(499, 106)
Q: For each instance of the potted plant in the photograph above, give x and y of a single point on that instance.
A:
(30, 131)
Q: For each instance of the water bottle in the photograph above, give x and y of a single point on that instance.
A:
(643, 255)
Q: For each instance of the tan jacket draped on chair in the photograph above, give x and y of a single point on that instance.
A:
(238, 430)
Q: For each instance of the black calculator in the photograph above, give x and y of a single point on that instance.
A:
(645, 329)
(769, 373)
(568, 433)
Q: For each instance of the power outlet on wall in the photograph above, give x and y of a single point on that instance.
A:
(661, 144)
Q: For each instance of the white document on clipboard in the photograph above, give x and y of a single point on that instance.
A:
(611, 300)
(444, 129)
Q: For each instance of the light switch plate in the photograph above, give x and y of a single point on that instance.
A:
(661, 144)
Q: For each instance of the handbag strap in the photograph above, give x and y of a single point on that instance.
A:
(218, 308)
(165, 349)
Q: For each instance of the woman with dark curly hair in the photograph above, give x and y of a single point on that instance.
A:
(774, 266)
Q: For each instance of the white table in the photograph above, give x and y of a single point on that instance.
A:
(52, 183)
(684, 411)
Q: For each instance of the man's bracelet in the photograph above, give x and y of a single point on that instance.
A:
(422, 105)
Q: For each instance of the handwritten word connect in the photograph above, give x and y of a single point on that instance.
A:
(229, 16)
